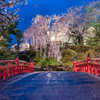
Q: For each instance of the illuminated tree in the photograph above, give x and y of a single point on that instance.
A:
(45, 30)
(84, 17)
(39, 35)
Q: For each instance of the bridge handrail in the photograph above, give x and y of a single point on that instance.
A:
(12, 67)
(82, 61)
(90, 65)
(23, 61)
(1, 61)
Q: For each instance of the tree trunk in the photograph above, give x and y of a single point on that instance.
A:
(80, 39)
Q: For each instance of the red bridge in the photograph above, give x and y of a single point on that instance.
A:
(90, 66)
(20, 82)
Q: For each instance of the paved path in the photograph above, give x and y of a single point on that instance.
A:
(51, 86)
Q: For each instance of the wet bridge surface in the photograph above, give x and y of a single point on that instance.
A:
(51, 86)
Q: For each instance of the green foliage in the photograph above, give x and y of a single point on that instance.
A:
(68, 63)
(68, 55)
(11, 29)
(81, 56)
(16, 32)
(91, 52)
(38, 60)
(98, 31)
(93, 41)
(6, 40)
(50, 61)
(46, 62)
(5, 54)
(79, 48)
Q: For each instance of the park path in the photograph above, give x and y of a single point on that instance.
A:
(51, 86)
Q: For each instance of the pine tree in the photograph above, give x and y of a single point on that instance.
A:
(6, 40)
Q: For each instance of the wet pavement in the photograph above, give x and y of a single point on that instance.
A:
(51, 86)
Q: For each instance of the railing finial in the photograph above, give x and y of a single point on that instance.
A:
(75, 59)
(31, 59)
(88, 55)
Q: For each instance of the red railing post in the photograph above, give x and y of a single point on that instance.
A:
(17, 67)
(88, 62)
(26, 67)
(32, 66)
(9, 71)
(14, 70)
(74, 64)
(92, 70)
(83, 66)
(96, 70)
(4, 74)
(22, 68)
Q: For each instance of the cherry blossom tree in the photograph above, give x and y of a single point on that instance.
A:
(83, 17)
(45, 30)
(8, 10)
(39, 34)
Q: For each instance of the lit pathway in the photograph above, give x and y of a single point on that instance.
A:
(51, 86)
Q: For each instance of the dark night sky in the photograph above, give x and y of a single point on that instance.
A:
(45, 7)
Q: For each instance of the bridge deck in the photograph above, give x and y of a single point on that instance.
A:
(51, 86)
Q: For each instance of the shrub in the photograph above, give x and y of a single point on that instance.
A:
(46, 61)
(49, 61)
(91, 52)
(38, 60)
(80, 48)
(68, 55)
(81, 56)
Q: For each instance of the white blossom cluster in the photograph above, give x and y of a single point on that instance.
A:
(22, 47)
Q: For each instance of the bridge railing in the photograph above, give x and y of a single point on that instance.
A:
(12, 67)
(91, 65)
